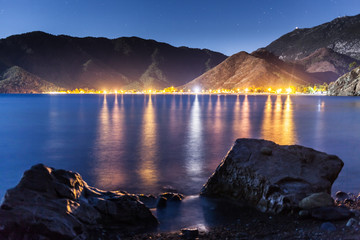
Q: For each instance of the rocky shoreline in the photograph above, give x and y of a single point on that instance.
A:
(283, 192)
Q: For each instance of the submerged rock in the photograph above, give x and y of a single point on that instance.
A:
(272, 182)
(172, 197)
(58, 204)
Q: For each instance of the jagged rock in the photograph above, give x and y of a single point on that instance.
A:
(272, 183)
(58, 204)
(172, 197)
(321, 199)
(346, 85)
(149, 200)
(351, 222)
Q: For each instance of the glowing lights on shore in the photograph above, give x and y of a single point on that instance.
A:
(199, 90)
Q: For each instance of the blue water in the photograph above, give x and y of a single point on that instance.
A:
(140, 143)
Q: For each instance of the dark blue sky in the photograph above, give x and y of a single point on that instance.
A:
(228, 26)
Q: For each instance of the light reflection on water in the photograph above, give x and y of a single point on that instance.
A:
(140, 143)
(278, 122)
(109, 136)
(148, 169)
(194, 144)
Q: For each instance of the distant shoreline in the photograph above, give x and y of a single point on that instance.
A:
(141, 93)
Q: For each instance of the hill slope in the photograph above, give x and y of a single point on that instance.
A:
(342, 35)
(99, 63)
(17, 80)
(259, 69)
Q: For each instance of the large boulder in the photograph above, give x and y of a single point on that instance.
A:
(58, 204)
(272, 177)
(346, 85)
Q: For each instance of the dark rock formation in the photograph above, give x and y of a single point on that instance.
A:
(346, 85)
(100, 63)
(58, 204)
(272, 183)
(258, 69)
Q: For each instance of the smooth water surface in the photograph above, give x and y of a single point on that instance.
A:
(140, 143)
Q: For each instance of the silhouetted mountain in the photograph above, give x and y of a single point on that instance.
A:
(342, 35)
(17, 80)
(99, 63)
(259, 69)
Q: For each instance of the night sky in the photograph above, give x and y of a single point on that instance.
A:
(227, 26)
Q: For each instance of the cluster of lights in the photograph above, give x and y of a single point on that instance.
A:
(195, 90)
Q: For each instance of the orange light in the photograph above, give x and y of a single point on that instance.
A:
(279, 90)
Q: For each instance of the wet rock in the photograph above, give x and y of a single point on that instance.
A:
(316, 200)
(58, 204)
(351, 222)
(162, 202)
(341, 196)
(328, 226)
(172, 197)
(149, 200)
(331, 213)
(273, 183)
(189, 233)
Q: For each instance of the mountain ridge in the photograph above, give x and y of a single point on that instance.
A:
(258, 69)
(301, 42)
(100, 63)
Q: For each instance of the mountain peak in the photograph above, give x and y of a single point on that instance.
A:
(342, 35)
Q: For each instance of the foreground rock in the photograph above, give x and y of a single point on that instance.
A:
(272, 177)
(346, 85)
(58, 204)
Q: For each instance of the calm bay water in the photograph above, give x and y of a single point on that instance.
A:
(140, 143)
